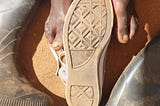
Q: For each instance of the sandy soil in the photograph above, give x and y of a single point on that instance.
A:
(45, 66)
(39, 65)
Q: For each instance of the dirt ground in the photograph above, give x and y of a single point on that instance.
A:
(39, 65)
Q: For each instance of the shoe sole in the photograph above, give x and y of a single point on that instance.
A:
(87, 30)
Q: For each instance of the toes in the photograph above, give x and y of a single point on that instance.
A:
(58, 40)
(123, 34)
(57, 45)
(50, 30)
(133, 27)
(53, 31)
(123, 38)
(122, 31)
(121, 15)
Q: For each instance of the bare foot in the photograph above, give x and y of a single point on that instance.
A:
(124, 31)
(55, 21)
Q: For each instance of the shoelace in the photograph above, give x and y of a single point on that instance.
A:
(61, 70)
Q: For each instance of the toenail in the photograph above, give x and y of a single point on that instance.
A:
(57, 45)
(125, 38)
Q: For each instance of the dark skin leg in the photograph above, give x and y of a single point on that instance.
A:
(125, 32)
(55, 21)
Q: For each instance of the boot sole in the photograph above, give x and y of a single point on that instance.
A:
(87, 30)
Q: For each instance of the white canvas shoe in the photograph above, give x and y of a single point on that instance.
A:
(87, 31)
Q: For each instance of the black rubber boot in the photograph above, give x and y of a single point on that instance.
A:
(139, 84)
(15, 90)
